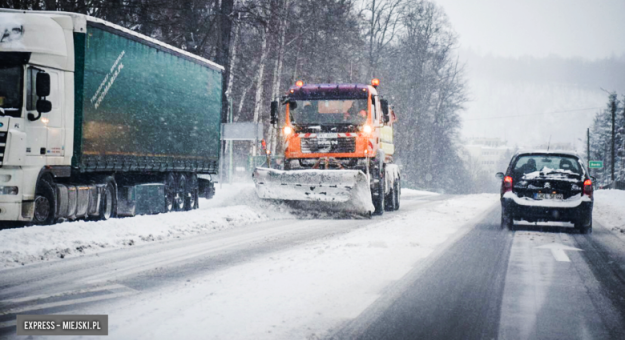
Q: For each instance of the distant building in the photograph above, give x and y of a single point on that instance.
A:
(555, 146)
(489, 153)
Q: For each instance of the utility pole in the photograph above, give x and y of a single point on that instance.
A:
(588, 148)
(613, 104)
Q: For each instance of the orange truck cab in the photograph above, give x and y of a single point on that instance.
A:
(336, 126)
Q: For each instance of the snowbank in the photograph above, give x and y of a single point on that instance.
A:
(232, 206)
(609, 210)
(300, 293)
(413, 193)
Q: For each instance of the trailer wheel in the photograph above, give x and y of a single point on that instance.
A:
(191, 193)
(108, 203)
(45, 203)
(170, 191)
(180, 197)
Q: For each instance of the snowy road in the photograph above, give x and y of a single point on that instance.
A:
(441, 267)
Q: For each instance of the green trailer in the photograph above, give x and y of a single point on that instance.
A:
(97, 116)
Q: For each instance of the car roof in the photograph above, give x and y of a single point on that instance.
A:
(547, 152)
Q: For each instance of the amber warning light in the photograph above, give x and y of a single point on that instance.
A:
(375, 82)
(299, 83)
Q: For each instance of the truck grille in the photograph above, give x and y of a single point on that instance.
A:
(328, 145)
(3, 144)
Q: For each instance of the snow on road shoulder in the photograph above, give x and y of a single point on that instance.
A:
(414, 193)
(232, 206)
(300, 293)
(609, 210)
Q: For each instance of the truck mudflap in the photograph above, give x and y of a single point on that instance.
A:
(340, 186)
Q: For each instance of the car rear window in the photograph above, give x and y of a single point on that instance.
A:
(527, 164)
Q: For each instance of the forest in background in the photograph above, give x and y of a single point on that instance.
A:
(266, 45)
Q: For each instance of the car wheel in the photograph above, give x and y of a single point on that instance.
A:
(506, 220)
(584, 224)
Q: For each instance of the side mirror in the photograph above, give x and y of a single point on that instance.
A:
(274, 112)
(44, 106)
(43, 86)
(292, 105)
(499, 175)
(385, 113)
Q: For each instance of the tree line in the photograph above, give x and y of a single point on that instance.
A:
(603, 147)
(266, 45)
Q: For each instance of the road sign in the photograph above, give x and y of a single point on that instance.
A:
(595, 164)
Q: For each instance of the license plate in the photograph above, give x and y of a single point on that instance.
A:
(545, 196)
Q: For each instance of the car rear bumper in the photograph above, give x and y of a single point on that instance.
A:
(536, 213)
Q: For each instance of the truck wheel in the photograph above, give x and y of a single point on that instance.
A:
(397, 192)
(191, 193)
(170, 191)
(179, 197)
(390, 200)
(45, 203)
(108, 203)
(378, 200)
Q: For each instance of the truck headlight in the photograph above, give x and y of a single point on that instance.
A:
(8, 190)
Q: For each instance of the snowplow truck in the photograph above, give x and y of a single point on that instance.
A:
(338, 147)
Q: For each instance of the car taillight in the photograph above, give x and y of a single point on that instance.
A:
(506, 185)
(588, 187)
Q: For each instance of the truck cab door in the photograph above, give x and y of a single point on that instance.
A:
(44, 135)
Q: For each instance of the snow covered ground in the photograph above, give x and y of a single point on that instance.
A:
(303, 292)
(609, 210)
(232, 206)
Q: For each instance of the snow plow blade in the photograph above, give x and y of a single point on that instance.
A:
(340, 186)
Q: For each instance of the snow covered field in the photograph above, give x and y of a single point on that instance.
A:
(609, 210)
(303, 292)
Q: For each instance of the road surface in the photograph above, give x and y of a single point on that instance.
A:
(473, 281)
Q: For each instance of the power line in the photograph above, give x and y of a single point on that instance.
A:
(537, 114)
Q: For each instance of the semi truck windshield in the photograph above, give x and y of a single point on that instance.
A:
(11, 90)
(329, 112)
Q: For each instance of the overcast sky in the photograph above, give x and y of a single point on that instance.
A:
(568, 28)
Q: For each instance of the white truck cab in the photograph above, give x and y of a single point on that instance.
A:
(34, 47)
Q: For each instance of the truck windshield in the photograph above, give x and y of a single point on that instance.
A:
(11, 90)
(329, 112)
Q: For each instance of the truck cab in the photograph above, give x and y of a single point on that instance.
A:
(336, 126)
(36, 105)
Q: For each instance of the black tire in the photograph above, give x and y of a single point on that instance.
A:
(45, 203)
(191, 193)
(378, 200)
(171, 187)
(584, 225)
(389, 200)
(180, 197)
(397, 192)
(108, 203)
(506, 220)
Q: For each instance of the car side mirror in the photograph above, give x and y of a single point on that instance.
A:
(274, 112)
(43, 85)
(499, 175)
(385, 113)
(292, 105)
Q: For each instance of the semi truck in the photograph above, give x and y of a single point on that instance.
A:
(98, 121)
(338, 147)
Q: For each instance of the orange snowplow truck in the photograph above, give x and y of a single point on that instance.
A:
(338, 147)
